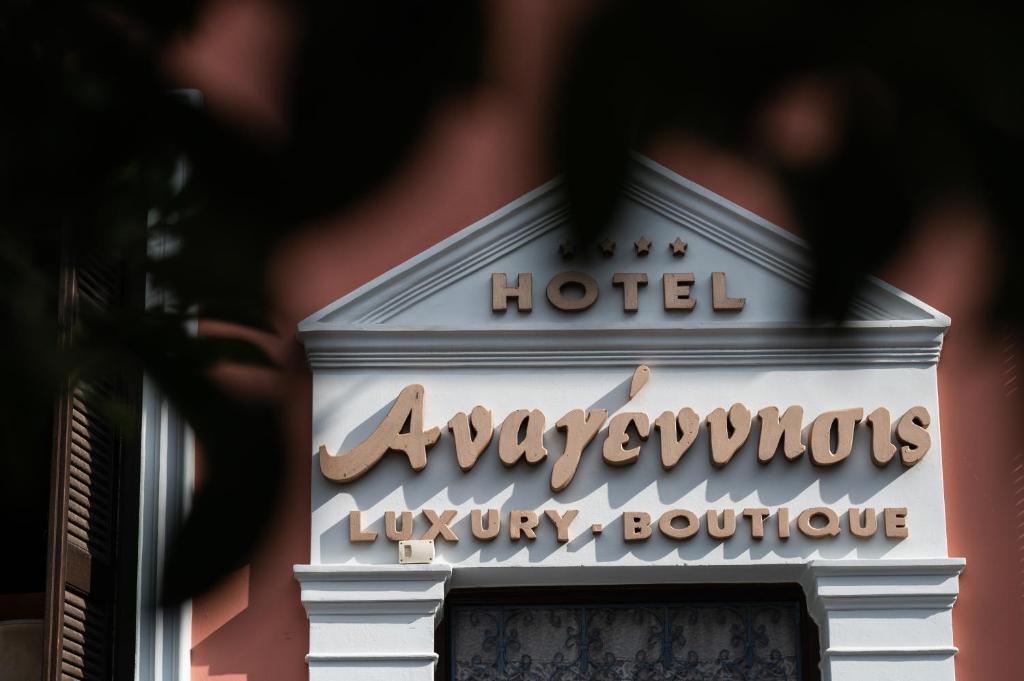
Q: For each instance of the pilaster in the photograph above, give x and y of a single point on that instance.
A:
(884, 619)
(372, 623)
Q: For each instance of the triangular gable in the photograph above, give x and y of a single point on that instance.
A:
(440, 299)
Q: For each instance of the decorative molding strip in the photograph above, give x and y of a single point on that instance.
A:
(579, 358)
(419, 288)
(792, 270)
(902, 601)
(767, 345)
(376, 573)
(426, 658)
(886, 567)
(883, 585)
(355, 590)
(363, 606)
(742, 232)
(892, 651)
(536, 207)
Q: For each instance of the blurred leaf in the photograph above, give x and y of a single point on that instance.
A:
(913, 84)
(232, 509)
(93, 142)
(240, 441)
(927, 105)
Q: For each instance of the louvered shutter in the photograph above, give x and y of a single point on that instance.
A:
(93, 512)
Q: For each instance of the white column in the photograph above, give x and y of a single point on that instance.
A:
(884, 620)
(163, 636)
(372, 623)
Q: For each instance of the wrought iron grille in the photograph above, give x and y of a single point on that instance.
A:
(613, 642)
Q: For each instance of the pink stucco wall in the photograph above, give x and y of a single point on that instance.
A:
(485, 151)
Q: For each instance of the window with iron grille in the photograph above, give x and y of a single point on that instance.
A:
(648, 635)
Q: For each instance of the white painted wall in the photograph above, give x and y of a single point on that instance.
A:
(349, 405)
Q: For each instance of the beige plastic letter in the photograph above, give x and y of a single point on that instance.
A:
(641, 375)
(636, 525)
(677, 291)
(863, 524)
(829, 529)
(783, 520)
(665, 524)
(564, 302)
(501, 292)
(511, 449)
(882, 449)
(493, 524)
(757, 517)
(439, 525)
(911, 431)
(720, 300)
(785, 429)
(580, 429)
(391, 530)
(351, 465)
(472, 435)
(821, 435)
(677, 431)
(724, 528)
(562, 522)
(727, 436)
(618, 436)
(630, 283)
(522, 523)
(356, 534)
(896, 523)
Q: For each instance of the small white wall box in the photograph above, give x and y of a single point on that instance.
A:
(416, 551)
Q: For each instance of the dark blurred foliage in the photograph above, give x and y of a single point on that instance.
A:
(93, 140)
(925, 102)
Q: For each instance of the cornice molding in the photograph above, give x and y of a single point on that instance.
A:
(890, 651)
(744, 233)
(863, 343)
(416, 590)
(455, 267)
(864, 585)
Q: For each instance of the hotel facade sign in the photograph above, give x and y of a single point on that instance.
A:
(649, 409)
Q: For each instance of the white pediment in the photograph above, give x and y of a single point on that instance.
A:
(436, 307)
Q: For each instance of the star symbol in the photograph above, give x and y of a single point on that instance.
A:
(607, 247)
(643, 246)
(678, 247)
(567, 249)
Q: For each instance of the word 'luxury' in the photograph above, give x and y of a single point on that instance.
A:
(521, 437)
(818, 522)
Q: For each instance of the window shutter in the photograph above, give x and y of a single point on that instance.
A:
(90, 598)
